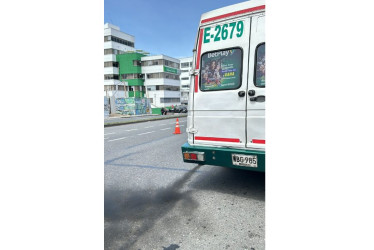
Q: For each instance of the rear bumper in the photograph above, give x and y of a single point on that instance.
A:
(219, 156)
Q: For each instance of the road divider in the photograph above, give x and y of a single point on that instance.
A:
(109, 124)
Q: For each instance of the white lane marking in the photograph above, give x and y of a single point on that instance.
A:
(109, 133)
(163, 124)
(146, 133)
(130, 129)
(105, 138)
(149, 127)
(181, 125)
(164, 128)
(118, 139)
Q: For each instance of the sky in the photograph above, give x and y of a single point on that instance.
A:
(166, 27)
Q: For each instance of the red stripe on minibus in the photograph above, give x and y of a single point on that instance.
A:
(258, 141)
(198, 60)
(203, 138)
(233, 14)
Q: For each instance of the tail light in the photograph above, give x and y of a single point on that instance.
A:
(194, 156)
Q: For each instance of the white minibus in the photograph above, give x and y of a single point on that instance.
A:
(226, 108)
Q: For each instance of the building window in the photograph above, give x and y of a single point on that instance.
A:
(169, 100)
(112, 52)
(185, 65)
(136, 63)
(152, 62)
(132, 76)
(118, 40)
(111, 77)
(162, 75)
(160, 62)
(221, 69)
(167, 87)
(153, 75)
(259, 78)
(171, 64)
(163, 88)
(113, 87)
(108, 51)
(111, 64)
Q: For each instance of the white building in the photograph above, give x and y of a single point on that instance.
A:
(115, 42)
(161, 74)
(185, 67)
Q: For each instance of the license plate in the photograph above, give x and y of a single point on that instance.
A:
(244, 160)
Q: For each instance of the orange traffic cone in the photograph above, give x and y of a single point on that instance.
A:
(177, 129)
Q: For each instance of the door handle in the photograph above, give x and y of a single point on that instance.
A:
(251, 92)
(241, 93)
(260, 98)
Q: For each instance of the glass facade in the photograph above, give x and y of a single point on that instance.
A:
(160, 62)
(118, 40)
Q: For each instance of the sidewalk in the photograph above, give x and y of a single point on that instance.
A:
(127, 119)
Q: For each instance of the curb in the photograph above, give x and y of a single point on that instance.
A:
(111, 124)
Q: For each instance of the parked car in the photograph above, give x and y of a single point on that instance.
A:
(172, 109)
(180, 109)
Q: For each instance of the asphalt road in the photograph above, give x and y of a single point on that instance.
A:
(153, 200)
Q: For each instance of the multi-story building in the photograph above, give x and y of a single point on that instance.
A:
(115, 42)
(185, 67)
(161, 74)
(130, 74)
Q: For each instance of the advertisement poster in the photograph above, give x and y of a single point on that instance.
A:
(221, 70)
(260, 66)
(132, 106)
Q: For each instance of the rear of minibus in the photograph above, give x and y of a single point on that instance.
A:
(226, 110)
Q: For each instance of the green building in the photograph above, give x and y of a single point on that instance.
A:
(130, 73)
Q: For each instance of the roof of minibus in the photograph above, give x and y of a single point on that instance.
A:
(231, 8)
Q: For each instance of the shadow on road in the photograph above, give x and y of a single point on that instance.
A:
(238, 182)
(129, 214)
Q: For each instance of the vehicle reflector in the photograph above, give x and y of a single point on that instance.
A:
(196, 156)
(258, 141)
(186, 156)
(193, 156)
(200, 157)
